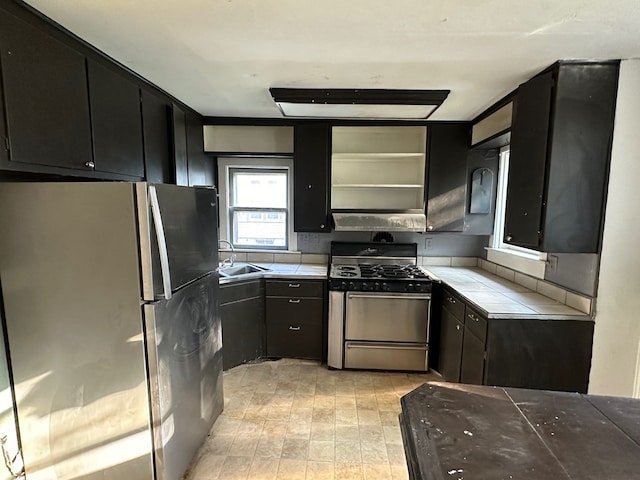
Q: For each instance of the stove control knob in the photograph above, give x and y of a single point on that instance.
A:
(366, 286)
(343, 285)
(410, 287)
(352, 286)
(384, 287)
(376, 286)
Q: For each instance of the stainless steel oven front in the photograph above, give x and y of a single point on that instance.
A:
(385, 331)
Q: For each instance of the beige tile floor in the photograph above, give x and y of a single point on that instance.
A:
(295, 419)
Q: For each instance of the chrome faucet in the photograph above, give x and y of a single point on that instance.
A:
(231, 260)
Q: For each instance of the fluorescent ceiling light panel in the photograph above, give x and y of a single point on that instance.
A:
(358, 103)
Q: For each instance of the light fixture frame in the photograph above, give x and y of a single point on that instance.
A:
(358, 96)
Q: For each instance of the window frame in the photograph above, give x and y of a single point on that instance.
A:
(225, 192)
(496, 243)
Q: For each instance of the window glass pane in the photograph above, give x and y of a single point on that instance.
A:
(259, 228)
(259, 189)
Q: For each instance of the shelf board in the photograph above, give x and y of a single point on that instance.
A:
(376, 185)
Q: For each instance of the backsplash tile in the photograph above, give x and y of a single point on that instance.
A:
(579, 302)
(463, 261)
(435, 261)
(240, 256)
(552, 291)
(488, 266)
(316, 258)
(526, 281)
(505, 273)
(289, 257)
(260, 257)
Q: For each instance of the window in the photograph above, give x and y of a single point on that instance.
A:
(501, 202)
(255, 203)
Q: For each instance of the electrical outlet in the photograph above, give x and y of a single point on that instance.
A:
(427, 243)
(552, 263)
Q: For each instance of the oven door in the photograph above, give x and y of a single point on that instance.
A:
(387, 317)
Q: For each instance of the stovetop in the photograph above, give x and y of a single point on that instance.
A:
(379, 277)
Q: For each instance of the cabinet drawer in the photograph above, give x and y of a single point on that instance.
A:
(294, 288)
(307, 311)
(453, 303)
(476, 323)
(294, 339)
(233, 292)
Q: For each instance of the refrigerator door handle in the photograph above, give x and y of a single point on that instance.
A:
(162, 244)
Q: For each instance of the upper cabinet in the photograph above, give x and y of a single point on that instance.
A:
(447, 176)
(310, 177)
(560, 149)
(179, 136)
(378, 168)
(201, 168)
(46, 99)
(156, 133)
(116, 122)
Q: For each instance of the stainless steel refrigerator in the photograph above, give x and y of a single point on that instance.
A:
(109, 292)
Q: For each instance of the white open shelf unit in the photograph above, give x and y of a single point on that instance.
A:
(378, 167)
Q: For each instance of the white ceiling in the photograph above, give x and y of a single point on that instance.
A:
(221, 56)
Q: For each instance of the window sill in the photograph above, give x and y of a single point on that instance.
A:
(531, 265)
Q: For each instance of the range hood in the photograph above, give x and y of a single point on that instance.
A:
(379, 222)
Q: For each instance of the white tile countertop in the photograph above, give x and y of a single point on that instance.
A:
(497, 297)
(309, 271)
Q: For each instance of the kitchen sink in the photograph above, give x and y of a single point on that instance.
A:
(240, 269)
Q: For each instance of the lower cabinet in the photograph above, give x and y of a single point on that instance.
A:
(243, 327)
(294, 318)
(524, 353)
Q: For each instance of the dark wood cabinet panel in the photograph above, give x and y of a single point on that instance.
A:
(201, 167)
(116, 122)
(542, 354)
(243, 325)
(46, 98)
(311, 177)
(179, 144)
(295, 312)
(560, 150)
(527, 163)
(472, 365)
(451, 336)
(157, 138)
(448, 148)
(4, 144)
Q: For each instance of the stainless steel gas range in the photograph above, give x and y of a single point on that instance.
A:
(379, 307)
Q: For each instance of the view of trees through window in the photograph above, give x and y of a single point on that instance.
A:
(258, 207)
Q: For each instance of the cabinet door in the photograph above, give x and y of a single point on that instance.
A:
(46, 98)
(472, 367)
(447, 176)
(451, 334)
(179, 136)
(527, 162)
(4, 144)
(156, 135)
(311, 176)
(243, 331)
(201, 168)
(116, 122)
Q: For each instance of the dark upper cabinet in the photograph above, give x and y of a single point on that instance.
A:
(201, 169)
(46, 98)
(311, 177)
(4, 151)
(116, 122)
(448, 148)
(560, 150)
(156, 134)
(179, 137)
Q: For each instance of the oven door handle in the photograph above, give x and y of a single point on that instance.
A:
(402, 296)
(379, 346)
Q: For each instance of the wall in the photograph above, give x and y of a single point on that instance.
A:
(430, 244)
(615, 366)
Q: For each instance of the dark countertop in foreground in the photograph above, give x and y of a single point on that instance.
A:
(499, 298)
(456, 431)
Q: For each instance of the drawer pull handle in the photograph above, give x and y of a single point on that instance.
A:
(451, 300)
(295, 329)
(291, 300)
(294, 285)
(457, 327)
